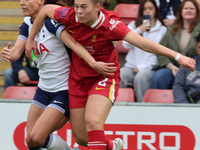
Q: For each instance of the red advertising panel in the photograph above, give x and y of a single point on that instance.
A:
(135, 137)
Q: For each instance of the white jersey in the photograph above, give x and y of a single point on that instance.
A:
(53, 59)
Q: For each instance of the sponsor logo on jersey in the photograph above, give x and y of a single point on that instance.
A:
(89, 48)
(42, 49)
(114, 23)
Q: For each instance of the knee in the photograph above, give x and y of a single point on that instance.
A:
(81, 140)
(139, 77)
(28, 140)
(34, 139)
(92, 124)
(8, 73)
(157, 77)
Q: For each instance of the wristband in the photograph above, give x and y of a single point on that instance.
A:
(178, 56)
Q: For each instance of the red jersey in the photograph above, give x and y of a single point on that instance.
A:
(97, 39)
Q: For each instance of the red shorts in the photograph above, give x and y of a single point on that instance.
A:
(80, 91)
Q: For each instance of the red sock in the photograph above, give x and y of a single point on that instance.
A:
(98, 141)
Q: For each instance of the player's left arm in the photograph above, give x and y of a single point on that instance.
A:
(158, 49)
(100, 67)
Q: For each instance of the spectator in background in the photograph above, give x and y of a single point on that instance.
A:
(186, 87)
(140, 65)
(19, 73)
(168, 9)
(181, 38)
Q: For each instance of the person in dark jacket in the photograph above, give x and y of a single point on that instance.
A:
(19, 73)
(186, 87)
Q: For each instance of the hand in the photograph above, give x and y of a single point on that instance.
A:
(5, 53)
(31, 45)
(106, 69)
(23, 76)
(174, 70)
(145, 27)
(136, 70)
(168, 22)
(187, 62)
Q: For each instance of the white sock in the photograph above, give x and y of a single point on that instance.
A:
(57, 143)
(114, 146)
(39, 148)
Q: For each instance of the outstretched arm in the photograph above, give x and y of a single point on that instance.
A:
(152, 47)
(100, 67)
(46, 11)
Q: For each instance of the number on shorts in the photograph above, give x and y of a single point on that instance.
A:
(103, 82)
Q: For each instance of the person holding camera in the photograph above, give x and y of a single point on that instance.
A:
(186, 87)
(140, 65)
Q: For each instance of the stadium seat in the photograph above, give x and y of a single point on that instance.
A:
(32, 82)
(159, 96)
(127, 12)
(20, 92)
(120, 48)
(125, 95)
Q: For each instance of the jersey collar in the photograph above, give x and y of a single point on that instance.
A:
(98, 22)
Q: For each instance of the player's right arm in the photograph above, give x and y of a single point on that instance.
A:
(46, 11)
(100, 67)
(13, 54)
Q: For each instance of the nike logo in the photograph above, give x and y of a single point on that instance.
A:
(58, 102)
(99, 88)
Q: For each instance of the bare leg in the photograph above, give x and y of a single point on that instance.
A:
(37, 131)
(77, 117)
(33, 115)
(97, 110)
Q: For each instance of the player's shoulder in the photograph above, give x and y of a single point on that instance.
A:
(110, 14)
(111, 18)
(51, 22)
(65, 11)
(28, 21)
(52, 25)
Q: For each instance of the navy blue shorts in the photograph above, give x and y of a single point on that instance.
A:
(58, 100)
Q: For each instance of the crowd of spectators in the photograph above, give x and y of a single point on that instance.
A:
(181, 17)
(140, 65)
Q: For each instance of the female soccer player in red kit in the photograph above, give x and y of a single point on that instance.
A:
(92, 95)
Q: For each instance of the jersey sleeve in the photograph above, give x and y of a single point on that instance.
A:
(117, 29)
(23, 33)
(54, 27)
(60, 14)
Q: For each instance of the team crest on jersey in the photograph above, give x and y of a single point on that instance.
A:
(63, 12)
(94, 37)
